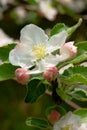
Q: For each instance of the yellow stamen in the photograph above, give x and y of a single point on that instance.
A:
(68, 127)
(49, 7)
(39, 51)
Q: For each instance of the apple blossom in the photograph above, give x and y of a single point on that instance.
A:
(50, 73)
(36, 49)
(83, 126)
(4, 39)
(68, 122)
(21, 75)
(5, 2)
(75, 5)
(47, 10)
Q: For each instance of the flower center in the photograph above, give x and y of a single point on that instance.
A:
(68, 127)
(39, 51)
(48, 7)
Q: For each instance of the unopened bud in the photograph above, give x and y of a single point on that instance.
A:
(54, 116)
(22, 76)
(50, 73)
(69, 48)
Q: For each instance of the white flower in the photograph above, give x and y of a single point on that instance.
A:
(20, 13)
(36, 49)
(1, 62)
(83, 126)
(47, 10)
(4, 39)
(84, 64)
(5, 2)
(75, 5)
(68, 122)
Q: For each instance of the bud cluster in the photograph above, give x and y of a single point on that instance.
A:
(22, 76)
(50, 73)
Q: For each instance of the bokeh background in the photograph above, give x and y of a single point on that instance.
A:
(15, 14)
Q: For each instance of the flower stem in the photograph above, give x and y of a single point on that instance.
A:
(74, 105)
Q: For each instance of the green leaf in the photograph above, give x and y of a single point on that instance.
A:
(64, 96)
(73, 28)
(32, 2)
(77, 74)
(79, 94)
(58, 28)
(37, 122)
(7, 71)
(82, 113)
(4, 52)
(60, 109)
(81, 54)
(35, 89)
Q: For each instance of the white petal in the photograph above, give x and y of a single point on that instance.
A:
(47, 10)
(32, 34)
(20, 56)
(64, 68)
(83, 126)
(56, 41)
(51, 60)
(39, 68)
(35, 71)
(68, 119)
(62, 57)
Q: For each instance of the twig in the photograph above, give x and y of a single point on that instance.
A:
(74, 105)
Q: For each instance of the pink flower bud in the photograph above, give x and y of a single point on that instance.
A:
(50, 73)
(22, 76)
(69, 48)
(54, 116)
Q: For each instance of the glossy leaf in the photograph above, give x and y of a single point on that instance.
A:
(73, 28)
(60, 109)
(32, 2)
(7, 71)
(4, 52)
(75, 74)
(79, 94)
(64, 96)
(37, 122)
(58, 28)
(35, 89)
(61, 26)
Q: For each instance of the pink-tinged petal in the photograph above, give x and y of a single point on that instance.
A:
(69, 49)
